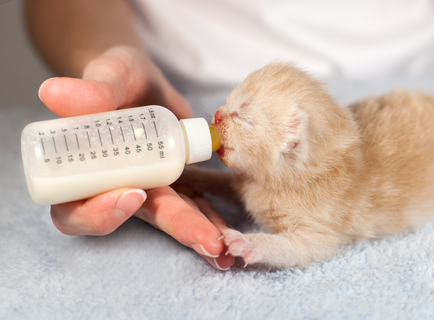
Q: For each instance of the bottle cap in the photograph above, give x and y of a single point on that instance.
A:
(198, 136)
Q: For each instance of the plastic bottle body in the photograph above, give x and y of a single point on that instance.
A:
(75, 158)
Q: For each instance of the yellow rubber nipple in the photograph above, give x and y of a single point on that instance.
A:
(215, 138)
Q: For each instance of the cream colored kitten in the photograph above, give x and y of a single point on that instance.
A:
(317, 175)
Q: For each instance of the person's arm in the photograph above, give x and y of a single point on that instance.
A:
(93, 45)
(69, 34)
(78, 39)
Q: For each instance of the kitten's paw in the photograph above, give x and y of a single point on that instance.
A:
(239, 246)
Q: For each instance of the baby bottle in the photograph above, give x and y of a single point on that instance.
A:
(76, 158)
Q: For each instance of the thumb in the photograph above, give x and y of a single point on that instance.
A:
(119, 78)
(68, 97)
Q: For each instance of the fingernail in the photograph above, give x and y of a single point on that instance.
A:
(215, 264)
(42, 85)
(129, 203)
(201, 250)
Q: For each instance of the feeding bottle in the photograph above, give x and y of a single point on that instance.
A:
(76, 158)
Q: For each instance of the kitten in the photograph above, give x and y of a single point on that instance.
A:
(317, 175)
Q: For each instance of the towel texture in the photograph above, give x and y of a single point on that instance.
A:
(139, 272)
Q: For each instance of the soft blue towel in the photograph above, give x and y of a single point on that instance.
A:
(140, 273)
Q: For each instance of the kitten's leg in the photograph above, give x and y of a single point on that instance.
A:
(287, 249)
(199, 180)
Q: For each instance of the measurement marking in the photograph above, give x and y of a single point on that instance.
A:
(111, 136)
(144, 130)
(43, 147)
(88, 139)
(155, 126)
(99, 135)
(66, 143)
(134, 134)
(123, 137)
(54, 143)
(76, 139)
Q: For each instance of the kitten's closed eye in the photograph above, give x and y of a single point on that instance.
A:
(219, 117)
(243, 118)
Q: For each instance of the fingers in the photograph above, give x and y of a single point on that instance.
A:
(100, 215)
(165, 209)
(223, 261)
(195, 224)
(210, 212)
(119, 78)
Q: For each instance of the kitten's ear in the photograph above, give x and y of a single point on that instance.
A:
(295, 130)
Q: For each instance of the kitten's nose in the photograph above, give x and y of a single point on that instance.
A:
(217, 118)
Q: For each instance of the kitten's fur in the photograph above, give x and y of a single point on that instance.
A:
(318, 175)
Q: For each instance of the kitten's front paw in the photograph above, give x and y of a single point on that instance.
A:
(239, 246)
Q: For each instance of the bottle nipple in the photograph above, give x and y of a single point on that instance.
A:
(215, 138)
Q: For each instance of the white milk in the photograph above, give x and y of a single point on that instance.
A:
(45, 191)
(79, 157)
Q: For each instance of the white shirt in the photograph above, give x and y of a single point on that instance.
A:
(204, 44)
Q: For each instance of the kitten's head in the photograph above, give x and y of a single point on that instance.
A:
(270, 121)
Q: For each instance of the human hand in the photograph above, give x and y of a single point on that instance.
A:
(122, 77)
